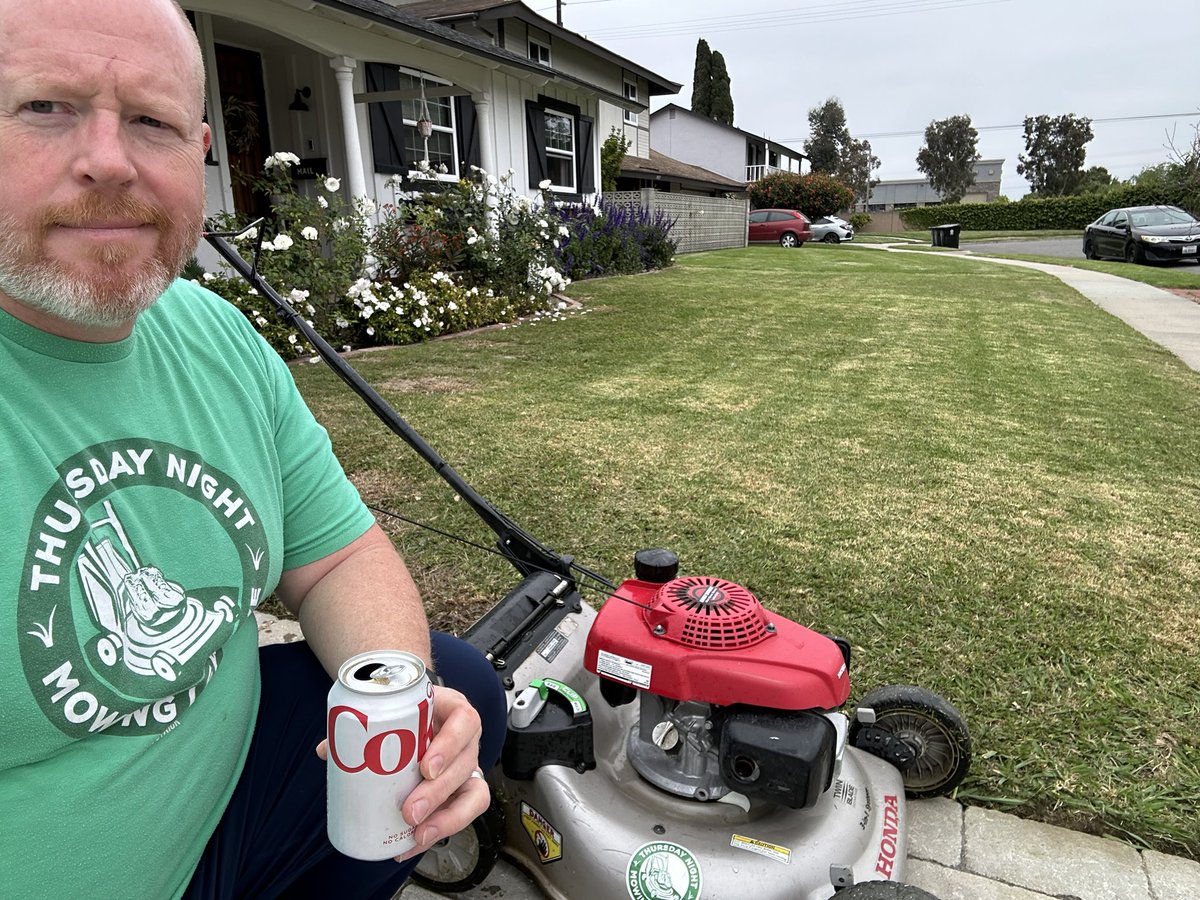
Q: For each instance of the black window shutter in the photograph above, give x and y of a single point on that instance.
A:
(535, 140)
(387, 121)
(585, 178)
(466, 123)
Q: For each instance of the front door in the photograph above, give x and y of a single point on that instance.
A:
(247, 135)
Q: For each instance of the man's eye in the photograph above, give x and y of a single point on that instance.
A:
(41, 106)
(150, 121)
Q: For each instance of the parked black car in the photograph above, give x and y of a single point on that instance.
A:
(1139, 234)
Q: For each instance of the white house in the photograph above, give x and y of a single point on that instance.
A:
(728, 151)
(344, 83)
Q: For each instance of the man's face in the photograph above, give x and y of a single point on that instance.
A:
(101, 157)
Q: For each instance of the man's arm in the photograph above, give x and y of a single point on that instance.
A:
(357, 599)
(362, 598)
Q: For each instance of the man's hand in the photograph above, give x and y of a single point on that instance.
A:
(453, 793)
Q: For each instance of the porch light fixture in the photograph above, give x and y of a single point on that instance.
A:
(298, 104)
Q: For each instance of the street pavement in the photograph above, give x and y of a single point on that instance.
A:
(958, 852)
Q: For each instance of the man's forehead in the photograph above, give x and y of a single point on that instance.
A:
(77, 54)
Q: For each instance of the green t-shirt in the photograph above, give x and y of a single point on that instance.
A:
(153, 491)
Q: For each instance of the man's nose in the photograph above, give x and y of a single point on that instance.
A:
(104, 158)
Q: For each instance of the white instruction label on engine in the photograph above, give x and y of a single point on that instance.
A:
(762, 848)
(629, 671)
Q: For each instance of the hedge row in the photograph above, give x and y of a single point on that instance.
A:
(1035, 214)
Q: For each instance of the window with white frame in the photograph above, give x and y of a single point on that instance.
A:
(560, 150)
(561, 145)
(631, 93)
(397, 144)
(539, 51)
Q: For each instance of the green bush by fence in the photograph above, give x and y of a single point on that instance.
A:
(1044, 213)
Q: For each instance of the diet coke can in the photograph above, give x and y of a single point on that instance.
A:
(380, 716)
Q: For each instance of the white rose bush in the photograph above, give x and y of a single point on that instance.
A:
(445, 257)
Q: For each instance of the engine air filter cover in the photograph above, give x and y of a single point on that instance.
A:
(708, 613)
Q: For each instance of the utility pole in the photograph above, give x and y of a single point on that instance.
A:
(559, 4)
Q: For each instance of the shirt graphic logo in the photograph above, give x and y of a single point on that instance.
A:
(142, 561)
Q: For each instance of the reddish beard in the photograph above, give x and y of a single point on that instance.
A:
(103, 283)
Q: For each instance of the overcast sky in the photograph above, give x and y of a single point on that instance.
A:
(897, 65)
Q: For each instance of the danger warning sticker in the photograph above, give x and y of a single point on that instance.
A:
(547, 840)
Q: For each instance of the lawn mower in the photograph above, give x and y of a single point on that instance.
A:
(678, 740)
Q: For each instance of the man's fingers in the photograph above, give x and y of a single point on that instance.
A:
(463, 806)
(323, 749)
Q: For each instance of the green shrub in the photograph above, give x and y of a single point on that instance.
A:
(1031, 214)
(860, 220)
(813, 195)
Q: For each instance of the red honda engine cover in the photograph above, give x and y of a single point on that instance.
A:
(710, 640)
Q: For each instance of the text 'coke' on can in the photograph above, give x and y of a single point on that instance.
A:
(380, 716)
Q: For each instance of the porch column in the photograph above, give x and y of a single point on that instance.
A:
(486, 136)
(343, 70)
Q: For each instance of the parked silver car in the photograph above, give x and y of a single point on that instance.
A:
(832, 230)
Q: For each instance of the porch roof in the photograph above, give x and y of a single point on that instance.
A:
(660, 164)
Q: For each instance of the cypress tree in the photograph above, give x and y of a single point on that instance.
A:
(702, 80)
(721, 107)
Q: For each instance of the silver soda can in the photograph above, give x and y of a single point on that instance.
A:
(380, 717)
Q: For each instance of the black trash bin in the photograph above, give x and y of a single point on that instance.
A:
(945, 235)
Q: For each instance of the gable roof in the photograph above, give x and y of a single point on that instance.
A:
(492, 10)
(774, 145)
(389, 16)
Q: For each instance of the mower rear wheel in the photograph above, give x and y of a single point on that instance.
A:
(883, 890)
(462, 861)
(918, 732)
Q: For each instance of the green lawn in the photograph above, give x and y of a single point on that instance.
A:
(985, 483)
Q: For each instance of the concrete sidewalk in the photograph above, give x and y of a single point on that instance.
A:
(955, 853)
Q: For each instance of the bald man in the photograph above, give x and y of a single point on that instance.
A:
(152, 440)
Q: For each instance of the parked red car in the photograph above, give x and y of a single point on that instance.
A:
(789, 227)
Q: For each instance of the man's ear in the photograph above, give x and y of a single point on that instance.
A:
(206, 133)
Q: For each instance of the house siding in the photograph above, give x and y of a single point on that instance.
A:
(695, 141)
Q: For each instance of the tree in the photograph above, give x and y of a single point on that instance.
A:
(827, 136)
(1054, 153)
(721, 107)
(1096, 180)
(612, 154)
(702, 78)
(856, 167)
(948, 157)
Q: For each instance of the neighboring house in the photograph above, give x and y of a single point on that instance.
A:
(661, 173)
(515, 27)
(730, 152)
(347, 84)
(907, 193)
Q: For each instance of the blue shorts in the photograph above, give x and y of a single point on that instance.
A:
(271, 841)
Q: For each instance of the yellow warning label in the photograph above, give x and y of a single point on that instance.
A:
(762, 848)
(547, 840)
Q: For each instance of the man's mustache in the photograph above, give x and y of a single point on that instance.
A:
(98, 210)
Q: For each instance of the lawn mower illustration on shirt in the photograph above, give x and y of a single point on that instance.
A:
(148, 622)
